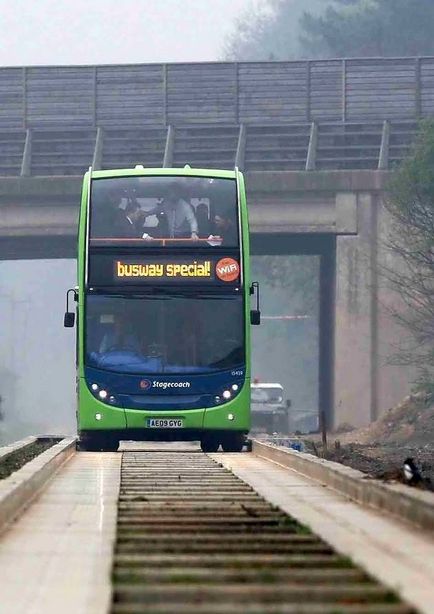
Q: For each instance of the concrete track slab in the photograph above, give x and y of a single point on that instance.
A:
(159, 446)
(57, 557)
(400, 556)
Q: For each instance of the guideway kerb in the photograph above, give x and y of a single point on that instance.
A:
(403, 502)
(18, 490)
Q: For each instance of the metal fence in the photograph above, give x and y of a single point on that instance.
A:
(145, 95)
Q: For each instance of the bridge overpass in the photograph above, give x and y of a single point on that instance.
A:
(316, 140)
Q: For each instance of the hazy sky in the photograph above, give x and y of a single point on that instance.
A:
(111, 31)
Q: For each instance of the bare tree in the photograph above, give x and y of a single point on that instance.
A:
(411, 240)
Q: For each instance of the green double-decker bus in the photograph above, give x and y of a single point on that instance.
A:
(163, 308)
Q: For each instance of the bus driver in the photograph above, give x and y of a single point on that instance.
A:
(120, 337)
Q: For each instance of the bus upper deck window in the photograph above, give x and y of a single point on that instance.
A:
(154, 211)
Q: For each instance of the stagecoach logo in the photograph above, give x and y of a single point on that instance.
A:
(227, 269)
(145, 384)
(166, 385)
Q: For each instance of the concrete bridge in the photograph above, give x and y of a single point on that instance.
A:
(316, 140)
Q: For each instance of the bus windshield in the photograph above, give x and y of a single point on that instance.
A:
(149, 211)
(174, 334)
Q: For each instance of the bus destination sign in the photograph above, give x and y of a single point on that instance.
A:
(164, 270)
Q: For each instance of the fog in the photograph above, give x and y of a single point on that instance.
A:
(37, 355)
(285, 348)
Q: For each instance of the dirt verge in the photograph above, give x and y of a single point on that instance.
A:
(380, 461)
(380, 449)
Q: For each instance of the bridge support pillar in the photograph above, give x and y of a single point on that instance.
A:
(356, 332)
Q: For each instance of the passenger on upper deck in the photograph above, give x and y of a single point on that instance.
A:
(203, 222)
(177, 216)
(225, 227)
(126, 224)
(105, 211)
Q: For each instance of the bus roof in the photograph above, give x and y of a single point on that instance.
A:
(184, 171)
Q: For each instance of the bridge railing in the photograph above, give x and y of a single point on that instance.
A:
(149, 95)
(305, 115)
(314, 146)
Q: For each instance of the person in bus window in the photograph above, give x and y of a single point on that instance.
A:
(202, 216)
(181, 221)
(105, 211)
(128, 219)
(176, 218)
(225, 227)
(162, 228)
(120, 338)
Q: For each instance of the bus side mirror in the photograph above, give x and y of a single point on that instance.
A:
(255, 314)
(255, 317)
(69, 317)
(288, 403)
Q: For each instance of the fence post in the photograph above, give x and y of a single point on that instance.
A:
(344, 91)
(26, 164)
(383, 161)
(97, 153)
(168, 151)
(311, 152)
(241, 148)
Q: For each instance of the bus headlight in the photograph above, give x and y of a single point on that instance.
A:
(102, 394)
(98, 416)
(227, 394)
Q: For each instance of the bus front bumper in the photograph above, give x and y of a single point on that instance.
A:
(97, 416)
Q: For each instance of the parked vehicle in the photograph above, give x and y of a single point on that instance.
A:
(269, 410)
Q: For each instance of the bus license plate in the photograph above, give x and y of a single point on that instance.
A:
(165, 423)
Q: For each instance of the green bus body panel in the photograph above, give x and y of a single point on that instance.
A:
(114, 418)
(89, 406)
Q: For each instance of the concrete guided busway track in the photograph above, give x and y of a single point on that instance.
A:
(194, 537)
(178, 531)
